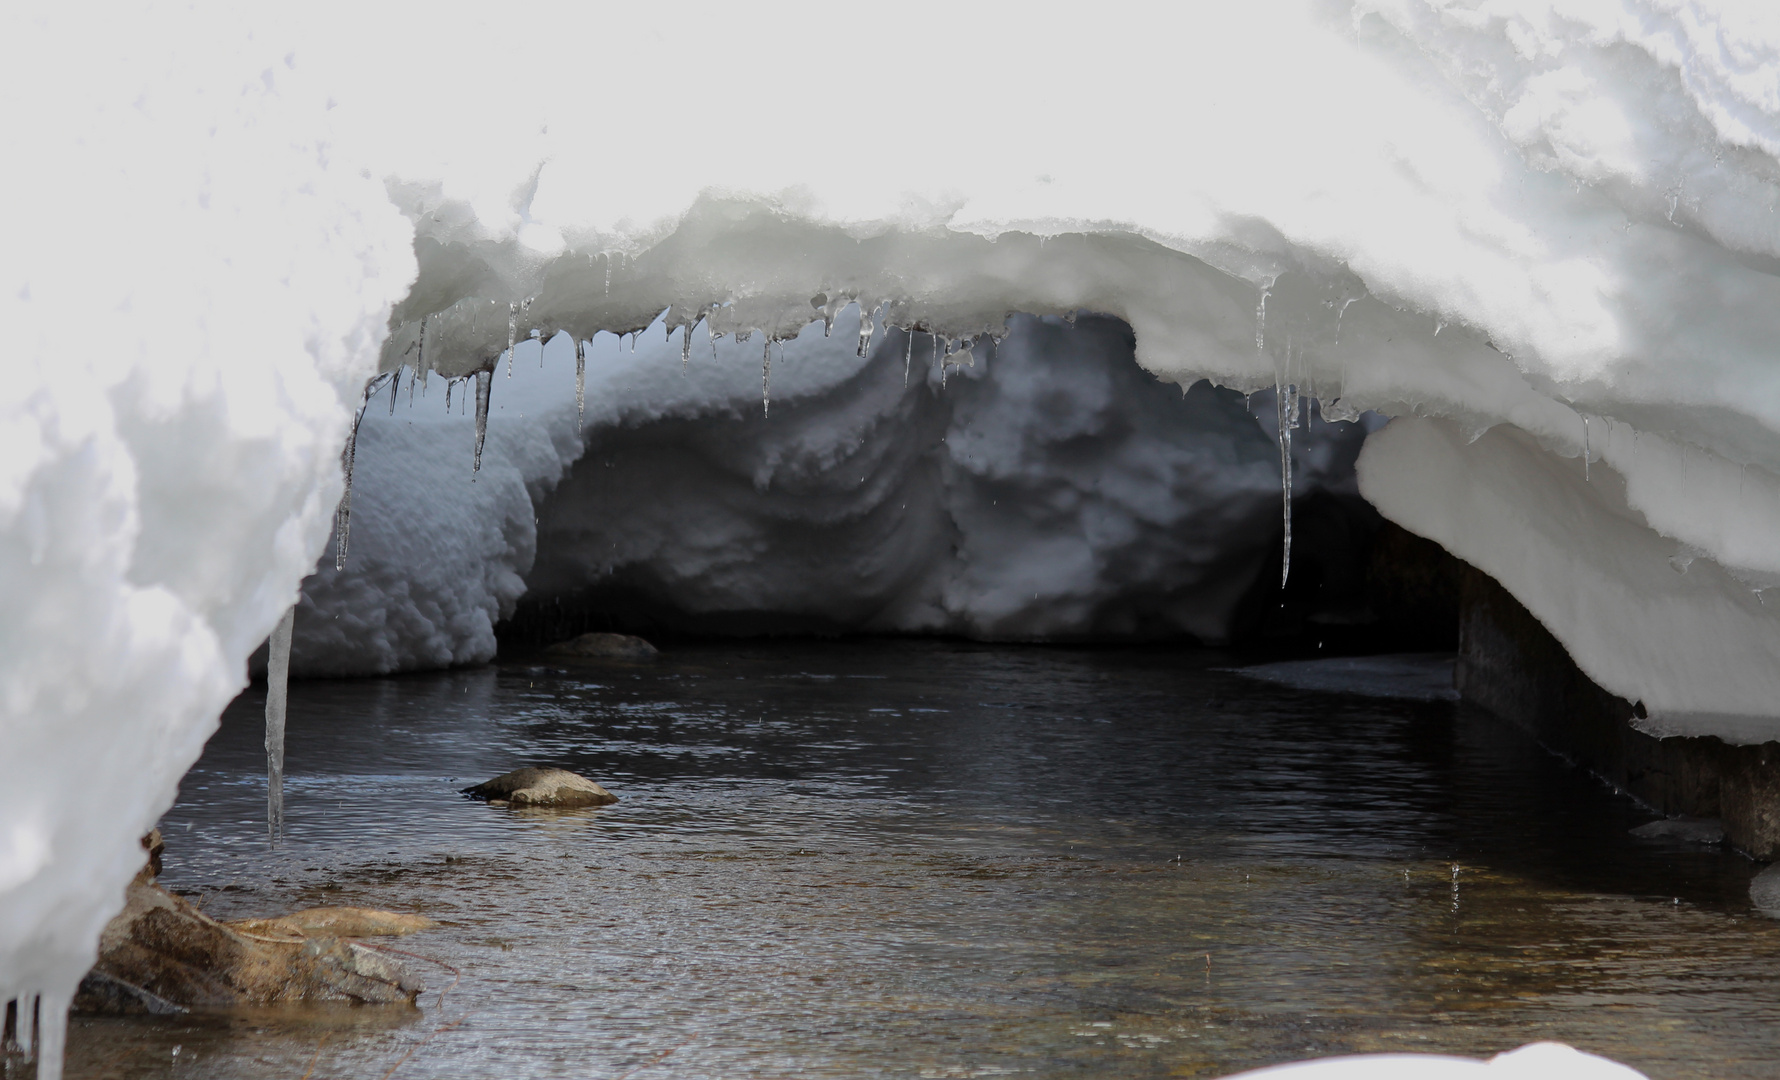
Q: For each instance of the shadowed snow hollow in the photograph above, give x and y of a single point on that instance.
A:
(1047, 488)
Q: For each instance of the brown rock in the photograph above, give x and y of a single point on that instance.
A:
(605, 647)
(542, 787)
(336, 922)
(161, 953)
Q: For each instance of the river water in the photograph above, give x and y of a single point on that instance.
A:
(938, 860)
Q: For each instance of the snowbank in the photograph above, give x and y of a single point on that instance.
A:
(189, 291)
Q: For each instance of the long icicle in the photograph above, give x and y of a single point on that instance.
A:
(52, 1034)
(908, 355)
(512, 334)
(419, 363)
(484, 383)
(580, 383)
(277, 697)
(1285, 403)
(766, 378)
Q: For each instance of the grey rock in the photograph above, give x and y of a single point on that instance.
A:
(542, 787)
(1685, 829)
(605, 647)
(1764, 892)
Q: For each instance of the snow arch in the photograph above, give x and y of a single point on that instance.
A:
(1550, 224)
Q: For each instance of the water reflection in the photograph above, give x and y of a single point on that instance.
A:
(936, 860)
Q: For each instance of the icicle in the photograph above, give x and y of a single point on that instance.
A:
(419, 363)
(1287, 416)
(608, 275)
(449, 383)
(580, 384)
(766, 378)
(1261, 318)
(52, 1034)
(512, 334)
(540, 338)
(484, 383)
(277, 696)
(908, 356)
(343, 514)
(1585, 450)
(686, 348)
(866, 329)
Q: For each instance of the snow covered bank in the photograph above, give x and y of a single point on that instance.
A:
(190, 292)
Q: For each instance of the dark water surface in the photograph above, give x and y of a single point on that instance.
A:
(935, 860)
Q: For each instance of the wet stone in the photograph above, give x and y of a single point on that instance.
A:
(163, 955)
(605, 647)
(342, 922)
(542, 788)
(1685, 829)
(1764, 892)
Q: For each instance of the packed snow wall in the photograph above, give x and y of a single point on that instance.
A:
(1541, 234)
(191, 294)
(1048, 489)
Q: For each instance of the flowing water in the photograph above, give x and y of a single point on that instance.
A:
(920, 859)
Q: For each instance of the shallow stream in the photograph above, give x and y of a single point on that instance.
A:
(935, 860)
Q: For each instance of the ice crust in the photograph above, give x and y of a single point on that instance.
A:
(1551, 221)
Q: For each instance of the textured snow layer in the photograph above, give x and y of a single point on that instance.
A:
(1051, 489)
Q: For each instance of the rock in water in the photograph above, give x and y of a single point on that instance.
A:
(1764, 892)
(605, 647)
(339, 922)
(542, 787)
(1686, 830)
(161, 954)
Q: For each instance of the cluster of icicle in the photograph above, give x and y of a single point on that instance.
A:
(943, 354)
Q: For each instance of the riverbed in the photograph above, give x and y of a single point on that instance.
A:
(944, 860)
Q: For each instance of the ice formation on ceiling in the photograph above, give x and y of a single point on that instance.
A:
(1049, 489)
(1541, 231)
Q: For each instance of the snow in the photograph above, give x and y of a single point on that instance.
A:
(189, 289)
(1547, 226)
(1535, 1061)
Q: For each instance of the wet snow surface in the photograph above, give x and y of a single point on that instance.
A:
(937, 860)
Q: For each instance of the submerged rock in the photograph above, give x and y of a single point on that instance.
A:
(606, 647)
(1687, 830)
(341, 922)
(161, 954)
(542, 787)
(1764, 891)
